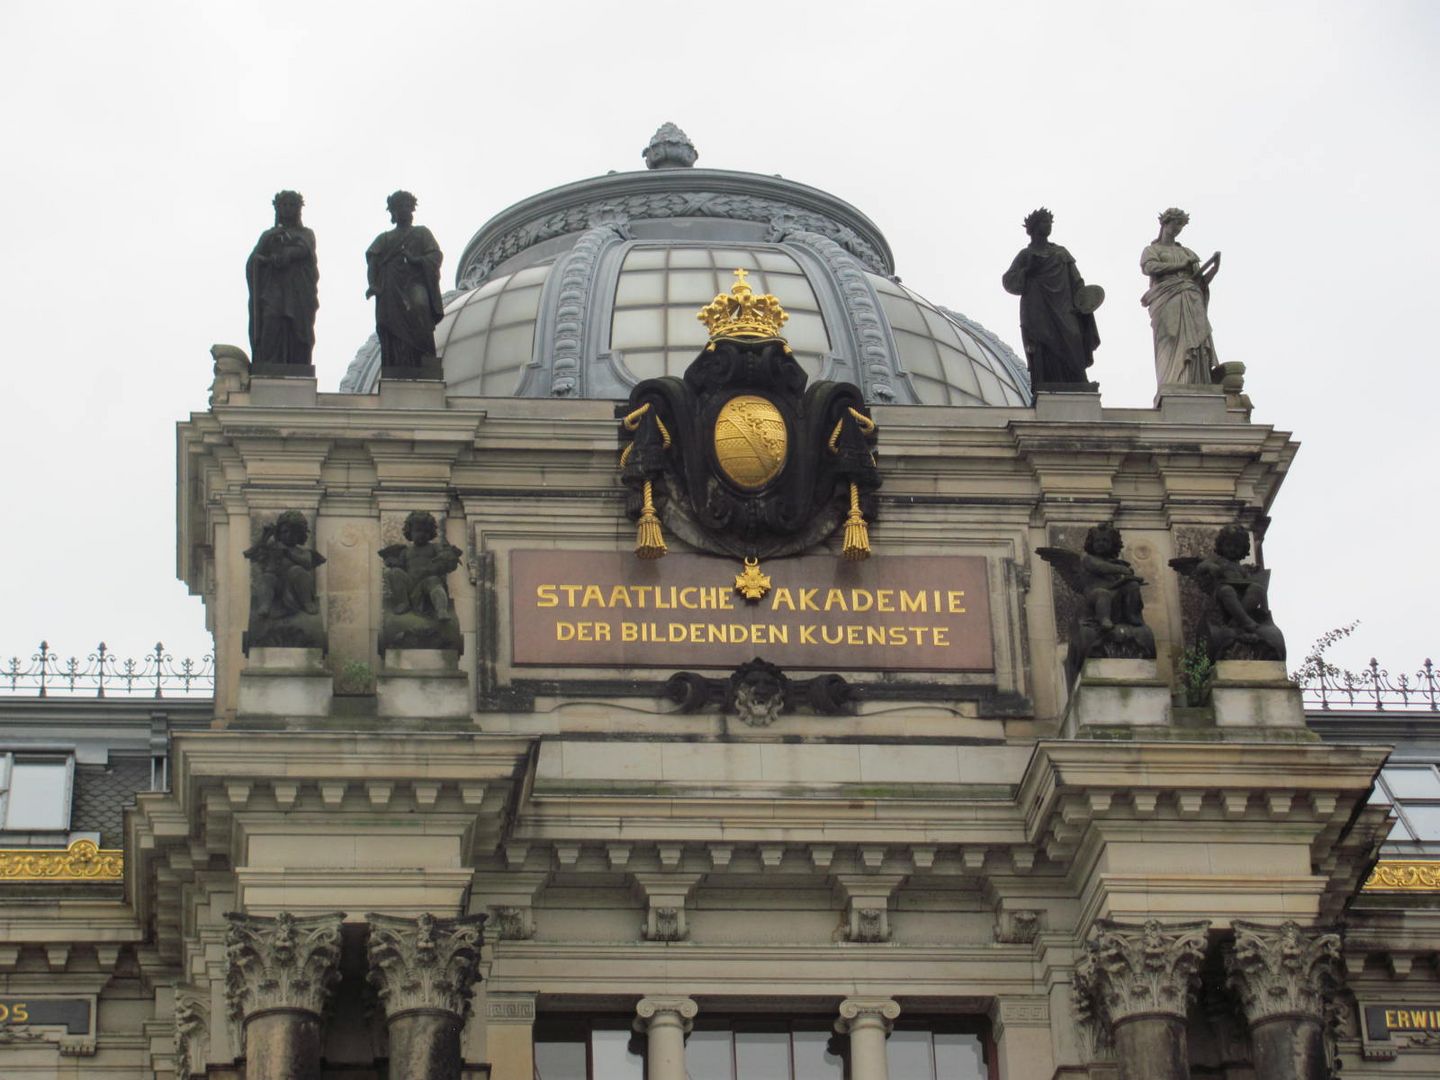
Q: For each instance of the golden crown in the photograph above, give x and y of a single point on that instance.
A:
(741, 314)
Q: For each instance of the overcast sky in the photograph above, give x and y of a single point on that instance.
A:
(142, 143)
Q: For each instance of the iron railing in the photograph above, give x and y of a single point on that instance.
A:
(1373, 687)
(102, 674)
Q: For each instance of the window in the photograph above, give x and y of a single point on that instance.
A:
(743, 1049)
(35, 792)
(1414, 792)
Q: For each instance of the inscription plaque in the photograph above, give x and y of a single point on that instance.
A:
(609, 609)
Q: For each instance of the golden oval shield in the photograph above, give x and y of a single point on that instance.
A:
(750, 441)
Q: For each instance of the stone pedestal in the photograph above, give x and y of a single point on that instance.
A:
(1255, 694)
(665, 1021)
(423, 683)
(1134, 981)
(425, 970)
(1118, 693)
(412, 393)
(291, 391)
(1281, 975)
(1080, 405)
(284, 682)
(281, 973)
(1192, 403)
(868, 1022)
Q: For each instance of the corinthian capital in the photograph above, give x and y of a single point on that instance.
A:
(281, 963)
(425, 963)
(1130, 970)
(1282, 970)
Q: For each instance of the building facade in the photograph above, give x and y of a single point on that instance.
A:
(761, 807)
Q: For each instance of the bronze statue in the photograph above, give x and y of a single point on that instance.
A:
(1112, 623)
(1057, 309)
(284, 604)
(404, 271)
(1179, 301)
(283, 276)
(418, 610)
(1238, 623)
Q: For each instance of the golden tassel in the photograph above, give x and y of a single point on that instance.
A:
(857, 533)
(649, 543)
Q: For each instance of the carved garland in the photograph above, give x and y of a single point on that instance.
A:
(860, 305)
(1395, 875)
(83, 860)
(662, 205)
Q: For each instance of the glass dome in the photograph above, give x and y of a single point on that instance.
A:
(585, 290)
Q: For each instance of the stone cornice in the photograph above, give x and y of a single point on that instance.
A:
(1282, 971)
(1129, 970)
(424, 963)
(281, 963)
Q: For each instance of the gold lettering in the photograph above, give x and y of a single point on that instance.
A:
(807, 635)
(676, 631)
(725, 599)
(874, 635)
(585, 631)
(807, 599)
(20, 1012)
(912, 601)
(629, 631)
(717, 634)
(781, 599)
(897, 636)
(692, 591)
(570, 591)
(737, 634)
(4, 1012)
(779, 635)
(940, 635)
(545, 596)
(837, 639)
(1390, 1018)
(885, 600)
(708, 599)
(619, 596)
(955, 596)
(861, 600)
(852, 634)
(834, 598)
(564, 631)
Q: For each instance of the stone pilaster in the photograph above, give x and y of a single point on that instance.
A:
(1135, 982)
(280, 973)
(1281, 975)
(868, 1022)
(665, 1021)
(425, 970)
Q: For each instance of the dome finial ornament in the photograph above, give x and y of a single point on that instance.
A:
(670, 148)
(741, 314)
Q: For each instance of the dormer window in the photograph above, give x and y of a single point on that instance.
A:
(35, 790)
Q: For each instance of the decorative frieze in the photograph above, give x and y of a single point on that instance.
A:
(1282, 971)
(1404, 875)
(281, 963)
(1130, 970)
(424, 963)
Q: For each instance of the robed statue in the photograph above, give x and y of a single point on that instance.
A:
(1111, 625)
(283, 277)
(1057, 309)
(404, 272)
(1179, 303)
(1237, 620)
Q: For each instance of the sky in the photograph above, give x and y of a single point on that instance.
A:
(141, 143)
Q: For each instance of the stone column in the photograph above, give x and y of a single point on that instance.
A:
(665, 1021)
(1281, 975)
(1135, 982)
(424, 970)
(280, 973)
(868, 1022)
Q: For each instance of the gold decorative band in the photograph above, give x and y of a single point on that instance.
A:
(81, 861)
(1404, 875)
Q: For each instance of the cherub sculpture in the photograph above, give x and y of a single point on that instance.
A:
(418, 610)
(1237, 620)
(1111, 625)
(284, 604)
